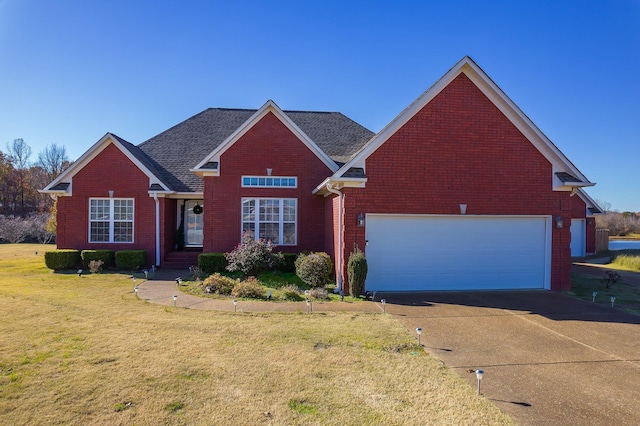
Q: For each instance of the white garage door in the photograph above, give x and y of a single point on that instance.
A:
(413, 253)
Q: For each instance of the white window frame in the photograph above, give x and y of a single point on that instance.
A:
(281, 222)
(112, 221)
(268, 182)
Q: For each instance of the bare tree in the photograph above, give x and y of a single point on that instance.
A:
(19, 153)
(53, 159)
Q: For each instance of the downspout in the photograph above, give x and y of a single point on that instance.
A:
(340, 195)
(155, 198)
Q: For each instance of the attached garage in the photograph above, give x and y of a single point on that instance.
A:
(424, 252)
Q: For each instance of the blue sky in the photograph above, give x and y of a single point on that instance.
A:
(72, 70)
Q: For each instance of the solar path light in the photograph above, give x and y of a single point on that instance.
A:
(593, 296)
(479, 375)
(384, 307)
(419, 333)
(175, 299)
(235, 305)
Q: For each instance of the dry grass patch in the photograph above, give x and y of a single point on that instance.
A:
(85, 350)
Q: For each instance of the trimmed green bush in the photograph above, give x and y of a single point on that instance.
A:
(131, 260)
(250, 288)
(219, 284)
(210, 263)
(288, 263)
(314, 269)
(59, 260)
(106, 256)
(357, 272)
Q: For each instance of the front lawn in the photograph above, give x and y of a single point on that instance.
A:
(85, 350)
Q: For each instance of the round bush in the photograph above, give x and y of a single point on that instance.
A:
(249, 288)
(219, 284)
(314, 269)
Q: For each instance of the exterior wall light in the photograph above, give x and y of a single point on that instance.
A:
(559, 222)
(360, 219)
(111, 193)
(463, 209)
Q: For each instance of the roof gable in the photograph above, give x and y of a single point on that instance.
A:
(63, 184)
(560, 163)
(204, 167)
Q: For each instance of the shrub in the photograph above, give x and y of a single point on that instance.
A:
(250, 288)
(288, 263)
(252, 256)
(106, 256)
(219, 284)
(290, 292)
(314, 269)
(210, 263)
(131, 260)
(95, 266)
(14, 229)
(59, 260)
(357, 272)
(319, 293)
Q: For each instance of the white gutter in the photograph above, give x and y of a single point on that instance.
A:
(340, 195)
(155, 197)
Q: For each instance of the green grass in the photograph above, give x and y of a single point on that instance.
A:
(86, 350)
(627, 296)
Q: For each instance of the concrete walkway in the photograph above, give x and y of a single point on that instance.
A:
(548, 359)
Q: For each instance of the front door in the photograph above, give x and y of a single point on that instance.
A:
(193, 223)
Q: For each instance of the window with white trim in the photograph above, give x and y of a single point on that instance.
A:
(111, 220)
(272, 219)
(269, 182)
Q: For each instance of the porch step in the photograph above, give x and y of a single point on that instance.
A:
(180, 259)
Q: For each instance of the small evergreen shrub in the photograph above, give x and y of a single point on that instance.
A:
(252, 256)
(314, 269)
(106, 256)
(59, 260)
(356, 272)
(250, 288)
(219, 284)
(210, 263)
(131, 260)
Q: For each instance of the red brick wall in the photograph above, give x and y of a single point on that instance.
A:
(460, 149)
(110, 170)
(269, 144)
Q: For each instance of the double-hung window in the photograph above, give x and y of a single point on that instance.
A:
(111, 220)
(272, 219)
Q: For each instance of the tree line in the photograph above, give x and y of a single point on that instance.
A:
(618, 223)
(24, 212)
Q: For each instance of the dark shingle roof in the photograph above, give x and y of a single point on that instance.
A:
(176, 150)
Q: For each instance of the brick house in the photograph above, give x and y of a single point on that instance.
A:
(459, 191)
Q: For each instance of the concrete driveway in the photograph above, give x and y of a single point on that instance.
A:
(548, 359)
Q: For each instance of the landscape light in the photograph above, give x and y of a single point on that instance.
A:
(136, 290)
(308, 306)
(146, 274)
(175, 299)
(419, 333)
(613, 300)
(479, 374)
(384, 308)
(235, 305)
(593, 296)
